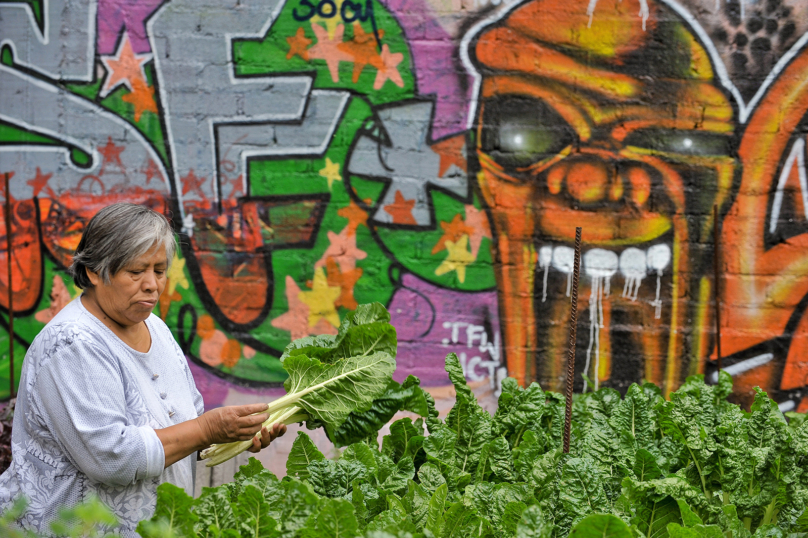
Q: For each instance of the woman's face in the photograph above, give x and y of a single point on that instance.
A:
(132, 292)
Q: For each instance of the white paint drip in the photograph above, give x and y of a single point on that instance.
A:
(545, 259)
(633, 268)
(659, 256)
(600, 265)
(563, 258)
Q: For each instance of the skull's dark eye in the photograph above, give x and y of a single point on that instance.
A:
(520, 131)
(682, 142)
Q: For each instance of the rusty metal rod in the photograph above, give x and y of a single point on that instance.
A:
(10, 293)
(716, 284)
(576, 269)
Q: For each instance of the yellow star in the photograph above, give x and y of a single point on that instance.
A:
(457, 260)
(320, 299)
(176, 275)
(331, 172)
(332, 21)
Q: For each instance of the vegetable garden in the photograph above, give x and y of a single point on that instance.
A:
(639, 466)
(696, 465)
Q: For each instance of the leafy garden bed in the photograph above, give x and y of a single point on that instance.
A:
(639, 466)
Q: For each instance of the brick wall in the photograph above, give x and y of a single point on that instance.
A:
(435, 157)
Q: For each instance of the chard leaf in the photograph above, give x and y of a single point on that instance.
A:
(653, 516)
(523, 412)
(525, 455)
(458, 379)
(484, 465)
(362, 453)
(436, 509)
(252, 512)
(534, 525)
(330, 392)
(511, 517)
(433, 422)
(689, 517)
(213, 508)
(358, 502)
(645, 466)
(359, 425)
(580, 490)
(173, 513)
(501, 460)
(699, 531)
(364, 331)
(463, 522)
(393, 478)
(440, 447)
(292, 509)
(334, 519)
(395, 444)
(248, 470)
(303, 453)
(416, 502)
(430, 477)
(601, 526)
(335, 478)
(553, 417)
(635, 415)
(474, 432)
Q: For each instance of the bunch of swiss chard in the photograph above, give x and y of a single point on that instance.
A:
(639, 466)
(331, 377)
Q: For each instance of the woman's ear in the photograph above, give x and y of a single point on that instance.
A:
(95, 278)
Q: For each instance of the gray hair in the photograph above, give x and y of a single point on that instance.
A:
(115, 237)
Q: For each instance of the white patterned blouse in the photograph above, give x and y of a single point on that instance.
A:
(84, 423)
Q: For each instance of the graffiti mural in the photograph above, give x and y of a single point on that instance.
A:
(433, 156)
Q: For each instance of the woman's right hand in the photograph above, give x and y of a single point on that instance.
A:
(232, 423)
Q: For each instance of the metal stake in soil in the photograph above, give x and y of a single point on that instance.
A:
(716, 283)
(10, 294)
(576, 269)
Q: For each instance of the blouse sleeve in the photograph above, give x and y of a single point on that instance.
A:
(83, 400)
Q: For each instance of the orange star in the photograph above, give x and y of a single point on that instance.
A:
(346, 282)
(298, 44)
(401, 210)
(362, 48)
(193, 183)
(356, 216)
(142, 97)
(452, 231)
(451, 153)
(40, 182)
(151, 171)
(123, 68)
(111, 154)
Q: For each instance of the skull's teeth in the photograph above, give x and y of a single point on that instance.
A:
(601, 264)
(598, 262)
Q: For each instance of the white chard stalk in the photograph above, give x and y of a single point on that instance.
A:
(221, 453)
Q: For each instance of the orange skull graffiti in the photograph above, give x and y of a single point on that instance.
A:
(617, 125)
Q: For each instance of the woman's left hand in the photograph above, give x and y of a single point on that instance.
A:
(267, 436)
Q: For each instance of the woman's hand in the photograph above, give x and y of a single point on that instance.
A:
(232, 423)
(267, 436)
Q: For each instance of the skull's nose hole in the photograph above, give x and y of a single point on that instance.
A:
(640, 180)
(588, 181)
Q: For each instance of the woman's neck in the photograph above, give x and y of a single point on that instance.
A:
(135, 335)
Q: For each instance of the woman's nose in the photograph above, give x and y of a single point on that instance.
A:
(590, 180)
(149, 281)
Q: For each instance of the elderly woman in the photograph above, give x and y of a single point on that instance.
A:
(107, 404)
